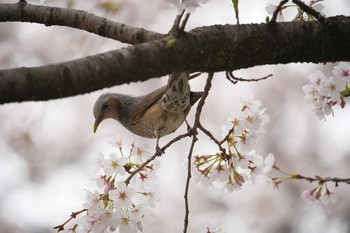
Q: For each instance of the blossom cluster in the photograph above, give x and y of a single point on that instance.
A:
(321, 194)
(325, 92)
(120, 206)
(238, 163)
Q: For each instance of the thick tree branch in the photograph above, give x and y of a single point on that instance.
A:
(49, 16)
(205, 49)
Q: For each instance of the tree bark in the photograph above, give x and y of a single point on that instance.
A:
(205, 49)
(55, 16)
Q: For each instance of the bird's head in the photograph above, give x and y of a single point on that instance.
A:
(107, 106)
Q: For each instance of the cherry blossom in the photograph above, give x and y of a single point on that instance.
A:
(122, 195)
(342, 71)
(240, 164)
(269, 163)
(93, 201)
(310, 195)
(327, 197)
(114, 164)
(319, 195)
(142, 154)
(250, 103)
(332, 87)
(115, 208)
(128, 222)
(118, 143)
(323, 93)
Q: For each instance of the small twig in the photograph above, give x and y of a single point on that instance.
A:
(227, 136)
(72, 216)
(211, 136)
(233, 79)
(189, 161)
(155, 155)
(320, 180)
(184, 22)
(202, 100)
(277, 10)
(298, 16)
(301, 12)
(309, 10)
(127, 181)
(195, 75)
(194, 140)
(176, 24)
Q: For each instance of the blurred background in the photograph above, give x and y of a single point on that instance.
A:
(47, 149)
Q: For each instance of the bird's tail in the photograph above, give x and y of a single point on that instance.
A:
(195, 96)
(177, 95)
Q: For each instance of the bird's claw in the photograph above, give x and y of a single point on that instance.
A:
(159, 151)
(190, 130)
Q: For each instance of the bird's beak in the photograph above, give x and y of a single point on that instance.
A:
(97, 122)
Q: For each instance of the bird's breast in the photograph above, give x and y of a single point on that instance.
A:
(156, 122)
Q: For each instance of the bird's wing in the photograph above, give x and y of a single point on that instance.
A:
(145, 103)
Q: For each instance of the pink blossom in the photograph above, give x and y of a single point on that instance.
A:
(122, 195)
(342, 71)
(114, 164)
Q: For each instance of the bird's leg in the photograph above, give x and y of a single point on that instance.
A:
(159, 151)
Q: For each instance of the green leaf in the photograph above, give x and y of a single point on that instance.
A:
(171, 43)
(235, 5)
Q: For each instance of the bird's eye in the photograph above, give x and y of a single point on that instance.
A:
(104, 106)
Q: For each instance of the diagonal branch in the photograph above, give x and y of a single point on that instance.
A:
(55, 16)
(155, 155)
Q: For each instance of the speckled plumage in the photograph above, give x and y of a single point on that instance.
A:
(154, 115)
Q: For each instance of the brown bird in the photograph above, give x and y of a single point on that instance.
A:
(153, 115)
